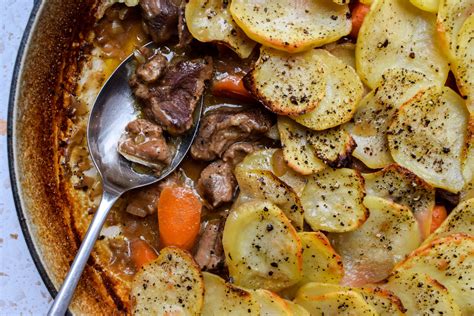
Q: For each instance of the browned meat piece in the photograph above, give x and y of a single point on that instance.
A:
(210, 253)
(184, 35)
(224, 127)
(142, 202)
(152, 70)
(161, 18)
(143, 142)
(237, 152)
(217, 183)
(171, 100)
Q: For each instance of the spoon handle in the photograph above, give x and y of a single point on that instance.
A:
(62, 300)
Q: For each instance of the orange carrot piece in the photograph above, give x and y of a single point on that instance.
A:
(179, 217)
(231, 86)
(358, 13)
(439, 215)
(141, 253)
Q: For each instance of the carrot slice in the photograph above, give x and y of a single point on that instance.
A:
(439, 215)
(179, 217)
(359, 12)
(231, 86)
(141, 253)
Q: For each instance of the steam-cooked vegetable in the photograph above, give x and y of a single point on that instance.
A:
(287, 84)
(292, 26)
(396, 34)
(463, 65)
(343, 88)
(262, 248)
(448, 260)
(375, 111)
(426, 5)
(271, 304)
(401, 186)
(297, 151)
(223, 298)
(332, 200)
(370, 252)
(264, 185)
(171, 284)
(422, 295)
(428, 137)
(210, 21)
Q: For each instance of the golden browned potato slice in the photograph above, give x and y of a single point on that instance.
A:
(428, 136)
(262, 249)
(344, 90)
(287, 84)
(292, 26)
(463, 65)
(297, 151)
(333, 146)
(396, 34)
(450, 261)
(223, 298)
(210, 21)
(370, 252)
(375, 112)
(403, 187)
(426, 5)
(271, 304)
(171, 284)
(451, 16)
(332, 200)
(422, 295)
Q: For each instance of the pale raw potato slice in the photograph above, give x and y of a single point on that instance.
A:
(450, 261)
(460, 220)
(296, 309)
(223, 298)
(333, 146)
(344, 90)
(396, 34)
(426, 5)
(332, 200)
(370, 252)
(292, 26)
(297, 151)
(264, 185)
(171, 284)
(463, 65)
(375, 112)
(428, 136)
(319, 300)
(262, 249)
(287, 84)
(210, 21)
(451, 16)
(422, 295)
(403, 187)
(271, 304)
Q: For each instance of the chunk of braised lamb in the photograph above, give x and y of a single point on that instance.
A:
(161, 18)
(184, 35)
(152, 69)
(223, 127)
(210, 253)
(143, 142)
(237, 152)
(217, 183)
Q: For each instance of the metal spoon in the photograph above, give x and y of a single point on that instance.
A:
(112, 111)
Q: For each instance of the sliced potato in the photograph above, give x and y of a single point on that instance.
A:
(297, 151)
(264, 185)
(261, 246)
(422, 295)
(210, 21)
(403, 187)
(344, 90)
(395, 34)
(426, 5)
(428, 137)
(463, 65)
(375, 112)
(271, 304)
(296, 309)
(450, 261)
(370, 252)
(460, 220)
(292, 26)
(171, 284)
(344, 51)
(287, 84)
(333, 146)
(316, 298)
(223, 298)
(451, 17)
(332, 200)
